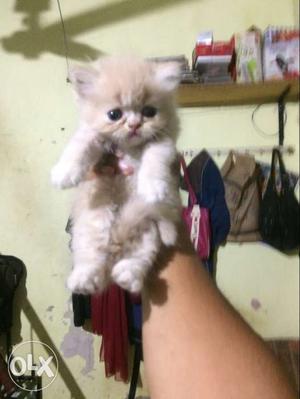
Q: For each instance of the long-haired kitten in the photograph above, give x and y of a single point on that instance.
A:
(120, 221)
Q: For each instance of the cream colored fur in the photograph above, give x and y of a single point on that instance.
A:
(120, 222)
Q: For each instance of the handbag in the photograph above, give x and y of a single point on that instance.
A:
(11, 272)
(196, 219)
(279, 213)
(241, 177)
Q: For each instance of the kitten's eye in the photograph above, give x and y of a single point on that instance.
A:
(115, 114)
(148, 111)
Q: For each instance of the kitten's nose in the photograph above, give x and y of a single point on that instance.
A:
(134, 122)
(135, 125)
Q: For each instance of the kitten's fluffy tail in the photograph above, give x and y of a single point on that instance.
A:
(136, 215)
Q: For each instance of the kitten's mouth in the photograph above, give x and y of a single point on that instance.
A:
(134, 133)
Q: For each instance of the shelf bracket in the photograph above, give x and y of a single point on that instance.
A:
(281, 113)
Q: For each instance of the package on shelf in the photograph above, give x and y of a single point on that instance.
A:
(248, 51)
(187, 75)
(180, 59)
(281, 53)
(213, 60)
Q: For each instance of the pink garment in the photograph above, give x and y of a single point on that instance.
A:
(196, 219)
(109, 319)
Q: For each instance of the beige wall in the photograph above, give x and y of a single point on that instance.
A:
(37, 115)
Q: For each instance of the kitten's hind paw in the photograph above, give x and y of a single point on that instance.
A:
(129, 274)
(86, 281)
(168, 232)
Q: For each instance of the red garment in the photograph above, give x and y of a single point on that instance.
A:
(109, 319)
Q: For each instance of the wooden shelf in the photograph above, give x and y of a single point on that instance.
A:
(200, 95)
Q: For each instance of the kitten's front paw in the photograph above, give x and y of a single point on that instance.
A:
(86, 281)
(154, 191)
(128, 274)
(65, 175)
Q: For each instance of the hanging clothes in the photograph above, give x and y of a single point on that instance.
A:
(207, 183)
(208, 186)
(241, 176)
(81, 305)
(134, 317)
(109, 319)
(108, 314)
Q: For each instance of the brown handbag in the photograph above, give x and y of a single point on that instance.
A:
(240, 175)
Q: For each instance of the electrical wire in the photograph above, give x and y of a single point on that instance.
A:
(258, 129)
(66, 47)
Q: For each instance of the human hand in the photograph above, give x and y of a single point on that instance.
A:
(113, 165)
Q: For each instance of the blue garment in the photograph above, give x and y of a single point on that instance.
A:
(208, 186)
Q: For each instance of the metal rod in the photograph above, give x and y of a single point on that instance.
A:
(261, 150)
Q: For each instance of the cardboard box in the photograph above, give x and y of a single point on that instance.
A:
(213, 60)
(281, 53)
(248, 56)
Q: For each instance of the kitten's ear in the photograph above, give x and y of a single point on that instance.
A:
(167, 75)
(82, 78)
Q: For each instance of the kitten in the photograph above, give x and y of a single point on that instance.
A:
(120, 222)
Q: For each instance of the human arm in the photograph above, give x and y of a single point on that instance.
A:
(195, 345)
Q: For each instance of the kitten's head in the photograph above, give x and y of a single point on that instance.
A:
(126, 100)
